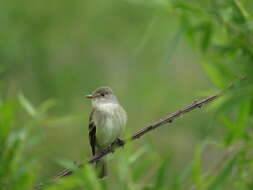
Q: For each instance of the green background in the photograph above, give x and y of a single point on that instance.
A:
(158, 56)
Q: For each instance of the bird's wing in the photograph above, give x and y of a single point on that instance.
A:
(92, 134)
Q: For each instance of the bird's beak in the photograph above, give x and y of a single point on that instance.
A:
(90, 96)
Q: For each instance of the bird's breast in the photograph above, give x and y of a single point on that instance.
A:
(110, 121)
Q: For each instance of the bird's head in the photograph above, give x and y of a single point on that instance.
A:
(102, 95)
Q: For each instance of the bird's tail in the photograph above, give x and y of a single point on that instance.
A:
(101, 168)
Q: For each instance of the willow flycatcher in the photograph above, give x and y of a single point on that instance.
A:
(106, 123)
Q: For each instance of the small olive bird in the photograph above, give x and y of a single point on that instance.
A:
(106, 123)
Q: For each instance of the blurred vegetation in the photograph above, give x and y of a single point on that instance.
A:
(158, 56)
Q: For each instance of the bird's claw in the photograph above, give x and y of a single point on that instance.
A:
(120, 142)
(115, 144)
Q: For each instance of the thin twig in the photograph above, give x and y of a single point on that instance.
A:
(140, 133)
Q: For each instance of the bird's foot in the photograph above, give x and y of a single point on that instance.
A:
(118, 142)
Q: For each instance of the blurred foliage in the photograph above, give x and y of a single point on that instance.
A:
(158, 55)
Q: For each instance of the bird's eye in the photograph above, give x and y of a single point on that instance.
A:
(102, 94)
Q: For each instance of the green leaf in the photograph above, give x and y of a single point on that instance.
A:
(89, 177)
(237, 128)
(6, 119)
(214, 74)
(26, 104)
(206, 35)
(197, 166)
(242, 10)
(227, 122)
(184, 175)
(135, 156)
(161, 174)
(218, 181)
(243, 115)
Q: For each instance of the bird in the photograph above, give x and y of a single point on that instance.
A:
(107, 122)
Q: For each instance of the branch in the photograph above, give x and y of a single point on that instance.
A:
(140, 133)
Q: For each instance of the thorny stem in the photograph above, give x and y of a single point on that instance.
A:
(148, 128)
